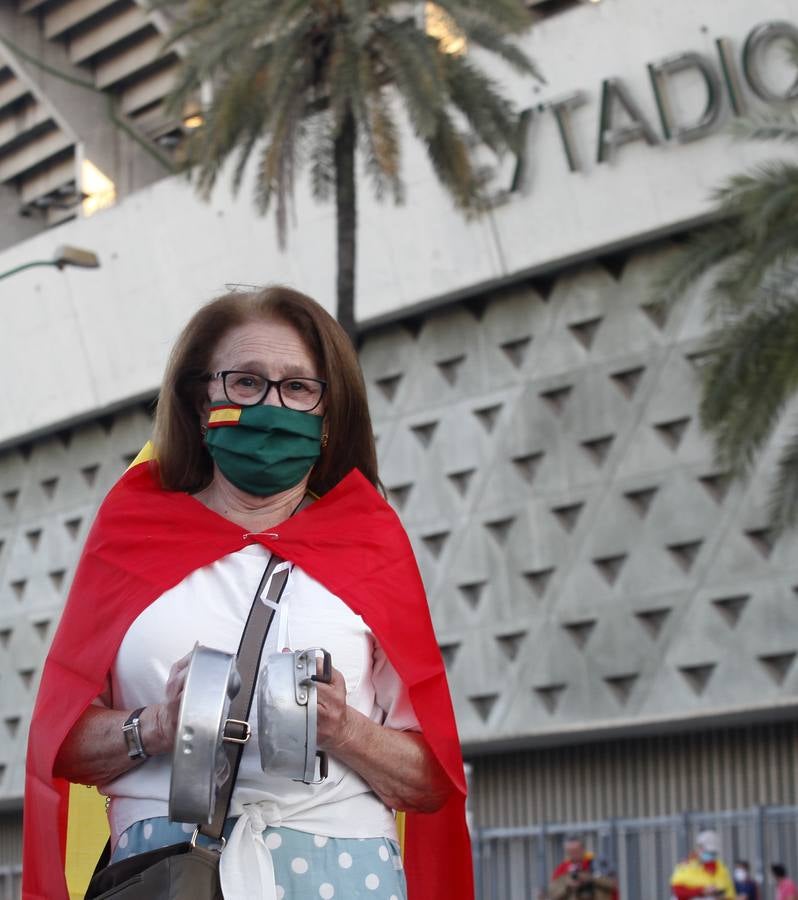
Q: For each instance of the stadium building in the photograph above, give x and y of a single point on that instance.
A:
(619, 626)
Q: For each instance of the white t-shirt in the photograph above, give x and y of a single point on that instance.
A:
(211, 606)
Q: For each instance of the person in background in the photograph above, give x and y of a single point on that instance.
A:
(703, 873)
(580, 877)
(786, 888)
(744, 884)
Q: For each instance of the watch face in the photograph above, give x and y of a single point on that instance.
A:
(132, 733)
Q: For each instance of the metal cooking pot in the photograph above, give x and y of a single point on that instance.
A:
(287, 714)
(199, 765)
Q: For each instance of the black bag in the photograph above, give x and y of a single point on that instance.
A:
(176, 872)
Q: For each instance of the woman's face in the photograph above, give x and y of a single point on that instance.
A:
(270, 348)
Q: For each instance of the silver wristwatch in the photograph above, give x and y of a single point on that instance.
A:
(132, 732)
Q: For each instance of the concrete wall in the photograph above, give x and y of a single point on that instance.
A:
(590, 569)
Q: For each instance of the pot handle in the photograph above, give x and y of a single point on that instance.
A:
(326, 669)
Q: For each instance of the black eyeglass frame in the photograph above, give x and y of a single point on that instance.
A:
(269, 384)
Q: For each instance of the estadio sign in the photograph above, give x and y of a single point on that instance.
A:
(728, 80)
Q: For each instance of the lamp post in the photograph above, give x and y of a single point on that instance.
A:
(64, 256)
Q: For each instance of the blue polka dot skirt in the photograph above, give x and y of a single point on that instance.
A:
(306, 866)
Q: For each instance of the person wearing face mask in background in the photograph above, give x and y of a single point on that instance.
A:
(744, 884)
(703, 874)
(262, 444)
(786, 889)
(580, 876)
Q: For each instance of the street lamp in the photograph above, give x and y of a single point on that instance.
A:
(64, 256)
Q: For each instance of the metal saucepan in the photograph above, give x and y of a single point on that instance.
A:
(199, 765)
(287, 715)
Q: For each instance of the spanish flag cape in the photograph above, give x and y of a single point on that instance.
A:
(146, 540)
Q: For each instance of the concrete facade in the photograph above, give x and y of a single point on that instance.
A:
(590, 569)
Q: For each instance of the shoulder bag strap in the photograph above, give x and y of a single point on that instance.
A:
(236, 735)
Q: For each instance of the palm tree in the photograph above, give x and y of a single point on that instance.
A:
(751, 371)
(310, 83)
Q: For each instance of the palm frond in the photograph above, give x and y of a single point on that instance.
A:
(288, 75)
(783, 127)
(504, 16)
(755, 231)
(276, 170)
(705, 250)
(739, 284)
(750, 375)
(380, 136)
(743, 194)
(321, 155)
(414, 65)
(450, 158)
(491, 117)
(783, 501)
(481, 32)
(224, 129)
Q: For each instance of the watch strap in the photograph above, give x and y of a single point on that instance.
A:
(132, 732)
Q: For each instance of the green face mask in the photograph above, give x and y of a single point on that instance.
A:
(263, 449)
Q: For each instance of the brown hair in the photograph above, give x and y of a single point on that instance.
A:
(183, 461)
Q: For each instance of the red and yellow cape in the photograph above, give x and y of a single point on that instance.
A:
(146, 540)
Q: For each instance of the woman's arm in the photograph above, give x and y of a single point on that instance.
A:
(95, 750)
(398, 765)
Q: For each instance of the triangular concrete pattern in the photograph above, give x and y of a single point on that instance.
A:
(731, 607)
(511, 642)
(450, 367)
(778, 665)
(653, 620)
(585, 331)
(622, 685)
(516, 350)
(399, 494)
(628, 380)
(582, 319)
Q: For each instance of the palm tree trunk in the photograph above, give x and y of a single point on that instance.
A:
(346, 212)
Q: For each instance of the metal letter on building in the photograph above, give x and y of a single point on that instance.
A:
(731, 75)
(660, 74)
(562, 113)
(612, 136)
(755, 45)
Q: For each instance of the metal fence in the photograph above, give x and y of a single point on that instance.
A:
(10, 882)
(515, 863)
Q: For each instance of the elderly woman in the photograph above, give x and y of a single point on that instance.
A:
(263, 411)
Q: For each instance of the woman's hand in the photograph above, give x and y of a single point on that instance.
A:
(159, 722)
(333, 722)
(95, 750)
(398, 765)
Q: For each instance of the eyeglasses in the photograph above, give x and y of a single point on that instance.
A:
(246, 389)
